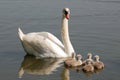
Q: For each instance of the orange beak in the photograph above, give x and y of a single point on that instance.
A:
(67, 16)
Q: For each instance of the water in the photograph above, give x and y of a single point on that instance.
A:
(94, 27)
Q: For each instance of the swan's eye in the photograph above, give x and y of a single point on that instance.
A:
(65, 12)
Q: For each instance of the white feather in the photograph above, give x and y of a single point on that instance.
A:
(45, 44)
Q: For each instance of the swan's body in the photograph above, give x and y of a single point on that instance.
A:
(88, 66)
(69, 60)
(45, 44)
(98, 64)
(72, 62)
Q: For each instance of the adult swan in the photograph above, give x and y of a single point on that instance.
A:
(45, 44)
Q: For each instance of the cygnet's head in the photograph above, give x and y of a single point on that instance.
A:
(79, 57)
(66, 13)
(89, 55)
(97, 57)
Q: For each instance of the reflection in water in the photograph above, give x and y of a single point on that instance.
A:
(46, 66)
(31, 65)
(65, 74)
(97, 71)
(89, 74)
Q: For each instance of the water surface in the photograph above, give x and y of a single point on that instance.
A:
(94, 27)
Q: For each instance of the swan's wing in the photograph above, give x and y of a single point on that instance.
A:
(42, 45)
(51, 37)
(44, 34)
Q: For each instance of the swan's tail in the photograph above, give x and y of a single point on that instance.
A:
(20, 33)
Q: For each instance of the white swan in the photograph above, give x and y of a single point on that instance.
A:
(45, 44)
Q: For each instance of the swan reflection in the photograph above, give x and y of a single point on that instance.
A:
(45, 66)
(65, 75)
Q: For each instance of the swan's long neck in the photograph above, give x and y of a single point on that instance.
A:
(65, 37)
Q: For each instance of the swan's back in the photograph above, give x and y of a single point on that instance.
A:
(42, 42)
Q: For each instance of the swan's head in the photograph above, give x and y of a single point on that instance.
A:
(66, 13)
